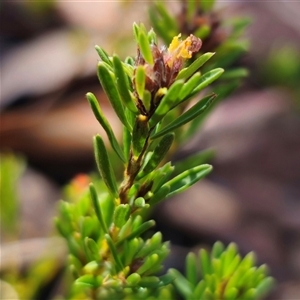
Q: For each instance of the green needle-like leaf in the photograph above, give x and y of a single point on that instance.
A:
(131, 247)
(149, 282)
(122, 84)
(133, 279)
(126, 142)
(161, 176)
(97, 207)
(151, 245)
(158, 154)
(152, 38)
(140, 81)
(104, 166)
(139, 134)
(169, 101)
(119, 265)
(193, 67)
(170, 23)
(207, 79)
(159, 25)
(145, 47)
(199, 290)
(136, 30)
(103, 55)
(189, 86)
(183, 286)
(121, 214)
(191, 269)
(105, 125)
(150, 261)
(205, 265)
(93, 248)
(87, 280)
(186, 117)
(107, 81)
(249, 295)
(137, 232)
(264, 287)
(160, 195)
(217, 249)
(186, 179)
(231, 294)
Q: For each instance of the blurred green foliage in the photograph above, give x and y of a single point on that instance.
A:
(11, 168)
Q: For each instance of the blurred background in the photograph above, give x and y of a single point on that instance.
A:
(48, 64)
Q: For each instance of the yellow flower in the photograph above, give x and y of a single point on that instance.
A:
(180, 48)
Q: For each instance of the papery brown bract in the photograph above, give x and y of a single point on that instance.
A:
(167, 64)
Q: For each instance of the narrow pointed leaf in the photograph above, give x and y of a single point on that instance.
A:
(140, 81)
(168, 102)
(205, 264)
(107, 81)
(264, 287)
(193, 67)
(159, 153)
(149, 282)
(119, 265)
(217, 250)
(151, 245)
(139, 134)
(160, 195)
(231, 294)
(189, 86)
(159, 26)
(133, 279)
(188, 116)
(130, 249)
(121, 214)
(87, 280)
(186, 179)
(129, 60)
(147, 99)
(140, 202)
(138, 231)
(161, 176)
(97, 207)
(183, 286)
(152, 38)
(103, 55)
(169, 22)
(122, 84)
(191, 269)
(145, 47)
(105, 125)
(149, 262)
(199, 290)
(104, 166)
(136, 30)
(126, 143)
(207, 79)
(93, 248)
